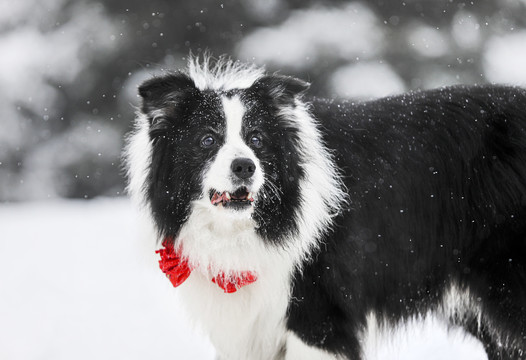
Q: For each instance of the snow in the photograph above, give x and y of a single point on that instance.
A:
(79, 280)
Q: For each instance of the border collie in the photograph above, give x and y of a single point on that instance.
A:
(293, 223)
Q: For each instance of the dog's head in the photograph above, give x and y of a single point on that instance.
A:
(234, 143)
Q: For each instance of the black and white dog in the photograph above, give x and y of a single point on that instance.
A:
(297, 223)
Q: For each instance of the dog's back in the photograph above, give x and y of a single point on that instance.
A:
(436, 220)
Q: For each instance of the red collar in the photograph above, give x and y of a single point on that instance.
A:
(177, 269)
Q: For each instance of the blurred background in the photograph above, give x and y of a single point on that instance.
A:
(78, 272)
(69, 69)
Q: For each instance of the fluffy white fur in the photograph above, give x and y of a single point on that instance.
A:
(138, 154)
(247, 324)
(223, 74)
(322, 179)
(458, 303)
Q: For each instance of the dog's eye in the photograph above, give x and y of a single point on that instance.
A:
(208, 141)
(158, 121)
(256, 141)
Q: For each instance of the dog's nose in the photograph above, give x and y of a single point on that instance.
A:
(243, 168)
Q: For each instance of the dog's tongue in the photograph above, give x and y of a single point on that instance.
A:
(177, 270)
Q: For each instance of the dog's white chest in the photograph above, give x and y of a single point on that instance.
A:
(247, 324)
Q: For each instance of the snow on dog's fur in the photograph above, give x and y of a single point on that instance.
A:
(384, 210)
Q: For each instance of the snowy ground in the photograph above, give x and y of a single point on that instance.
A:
(78, 281)
(77, 284)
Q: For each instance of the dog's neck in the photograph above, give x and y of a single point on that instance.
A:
(223, 240)
(177, 269)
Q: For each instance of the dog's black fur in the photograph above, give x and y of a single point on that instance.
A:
(437, 182)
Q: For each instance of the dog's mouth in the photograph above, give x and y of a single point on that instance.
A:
(237, 200)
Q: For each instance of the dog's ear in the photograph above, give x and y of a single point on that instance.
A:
(284, 89)
(158, 91)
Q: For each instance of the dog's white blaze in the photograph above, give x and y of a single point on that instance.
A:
(234, 111)
(218, 176)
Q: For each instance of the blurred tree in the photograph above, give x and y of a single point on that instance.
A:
(69, 74)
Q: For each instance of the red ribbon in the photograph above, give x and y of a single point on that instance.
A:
(177, 269)
(173, 264)
(234, 282)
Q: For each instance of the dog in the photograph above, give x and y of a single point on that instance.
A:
(290, 223)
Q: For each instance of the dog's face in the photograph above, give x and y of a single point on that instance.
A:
(232, 152)
(235, 176)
